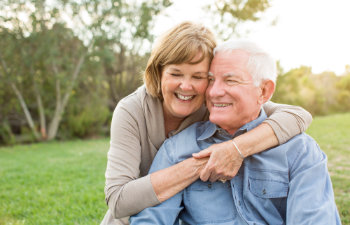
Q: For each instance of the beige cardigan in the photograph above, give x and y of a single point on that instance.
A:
(137, 132)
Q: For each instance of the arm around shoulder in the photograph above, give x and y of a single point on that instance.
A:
(286, 120)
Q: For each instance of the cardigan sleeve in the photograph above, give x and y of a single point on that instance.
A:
(286, 120)
(126, 192)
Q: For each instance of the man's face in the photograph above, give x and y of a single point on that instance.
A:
(232, 98)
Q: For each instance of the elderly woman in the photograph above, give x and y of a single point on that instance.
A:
(171, 100)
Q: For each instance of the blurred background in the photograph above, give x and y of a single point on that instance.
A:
(65, 64)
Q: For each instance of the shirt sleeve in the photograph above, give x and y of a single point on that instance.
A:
(311, 198)
(168, 211)
(126, 193)
(286, 120)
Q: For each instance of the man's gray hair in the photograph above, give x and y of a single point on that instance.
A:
(261, 65)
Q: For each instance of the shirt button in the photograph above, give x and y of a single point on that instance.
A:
(264, 191)
(239, 203)
(209, 185)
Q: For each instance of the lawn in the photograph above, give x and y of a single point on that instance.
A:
(333, 135)
(53, 183)
(62, 182)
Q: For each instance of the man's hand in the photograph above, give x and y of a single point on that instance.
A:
(223, 164)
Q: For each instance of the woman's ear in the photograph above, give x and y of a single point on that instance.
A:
(267, 88)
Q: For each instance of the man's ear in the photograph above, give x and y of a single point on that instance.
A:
(267, 88)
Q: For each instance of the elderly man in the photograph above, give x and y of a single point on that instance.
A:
(288, 184)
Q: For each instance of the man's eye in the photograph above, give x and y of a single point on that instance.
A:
(232, 82)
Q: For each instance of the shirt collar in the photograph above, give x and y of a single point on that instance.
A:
(210, 129)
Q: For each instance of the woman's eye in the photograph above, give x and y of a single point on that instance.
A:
(199, 77)
(211, 80)
(176, 74)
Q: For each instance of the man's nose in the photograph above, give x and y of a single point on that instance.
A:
(216, 89)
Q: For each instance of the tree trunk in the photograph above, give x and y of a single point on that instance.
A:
(26, 111)
(62, 103)
(22, 102)
(41, 111)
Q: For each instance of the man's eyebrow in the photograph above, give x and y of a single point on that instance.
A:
(230, 74)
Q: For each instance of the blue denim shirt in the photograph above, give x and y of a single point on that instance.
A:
(288, 184)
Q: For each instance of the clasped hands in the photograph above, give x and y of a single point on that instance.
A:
(223, 164)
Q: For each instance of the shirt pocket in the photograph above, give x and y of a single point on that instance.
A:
(268, 188)
(210, 203)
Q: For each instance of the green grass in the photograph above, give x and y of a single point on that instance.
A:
(62, 182)
(332, 133)
(53, 183)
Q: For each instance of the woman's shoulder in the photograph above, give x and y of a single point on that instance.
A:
(134, 100)
(139, 102)
(133, 97)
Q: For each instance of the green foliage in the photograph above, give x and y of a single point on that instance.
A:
(6, 134)
(228, 14)
(85, 118)
(320, 94)
(53, 51)
(343, 95)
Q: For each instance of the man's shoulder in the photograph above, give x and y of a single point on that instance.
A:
(301, 146)
(182, 145)
(300, 141)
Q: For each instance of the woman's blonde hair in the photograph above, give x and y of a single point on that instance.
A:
(179, 45)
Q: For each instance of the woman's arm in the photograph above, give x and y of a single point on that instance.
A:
(168, 182)
(284, 122)
(124, 187)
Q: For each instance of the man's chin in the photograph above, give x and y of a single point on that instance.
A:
(217, 120)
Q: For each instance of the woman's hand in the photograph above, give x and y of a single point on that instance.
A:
(223, 164)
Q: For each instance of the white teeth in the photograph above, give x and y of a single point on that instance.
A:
(185, 98)
(221, 105)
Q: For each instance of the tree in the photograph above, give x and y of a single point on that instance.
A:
(228, 14)
(50, 42)
(343, 95)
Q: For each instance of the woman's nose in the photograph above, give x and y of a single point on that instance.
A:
(186, 85)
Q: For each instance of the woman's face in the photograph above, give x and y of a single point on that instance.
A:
(183, 88)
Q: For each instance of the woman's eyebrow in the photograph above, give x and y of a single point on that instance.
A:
(174, 69)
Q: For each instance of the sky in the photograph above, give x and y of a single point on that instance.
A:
(313, 33)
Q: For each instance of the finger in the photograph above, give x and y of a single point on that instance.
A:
(202, 154)
(233, 174)
(214, 177)
(205, 173)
